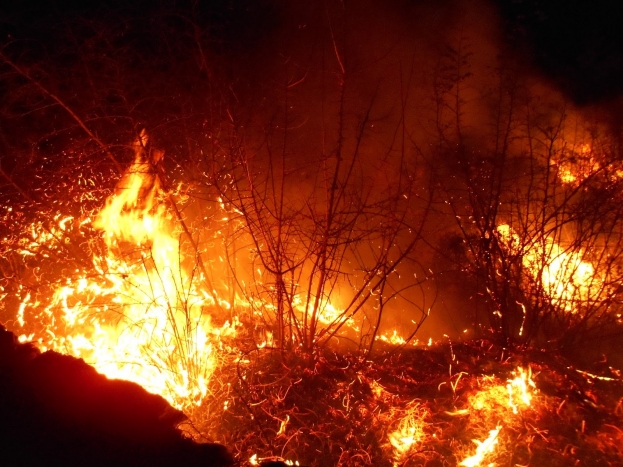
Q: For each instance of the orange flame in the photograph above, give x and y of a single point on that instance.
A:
(409, 431)
(484, 448)
(566, 278)
(142, 316)
(518, 389)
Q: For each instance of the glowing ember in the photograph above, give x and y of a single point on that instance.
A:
(255, 460)
(484, 447)
(492, 396)
(519, 389)
(408, 432)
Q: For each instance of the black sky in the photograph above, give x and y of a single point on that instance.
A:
(576, 45)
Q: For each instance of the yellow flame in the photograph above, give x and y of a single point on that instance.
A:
(255, 460)
(143, 316)
(408, 432)
(394, 338)
(142, 313)
(582, 164)
(520, 389)
(566, 278)
(494, 396)
(483, 449)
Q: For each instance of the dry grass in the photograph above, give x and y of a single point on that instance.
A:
(420, 407)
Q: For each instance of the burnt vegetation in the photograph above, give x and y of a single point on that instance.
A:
(319, 192)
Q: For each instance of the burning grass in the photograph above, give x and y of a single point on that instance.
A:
(138, 309)
(470, 405)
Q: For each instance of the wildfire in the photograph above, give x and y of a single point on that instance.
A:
(255, 460)
(142, 316)
(494, 400)
(484, 448)
(143, 312)
(565, 277)
(143, 309)
(520, 389)
(395, 338)
(409, 431)
(579, 167)
(494, 396)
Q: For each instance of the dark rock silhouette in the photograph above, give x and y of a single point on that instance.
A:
(56, 410)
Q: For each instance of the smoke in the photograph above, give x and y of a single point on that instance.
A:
(324, 69)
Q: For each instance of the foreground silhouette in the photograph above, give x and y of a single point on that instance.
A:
(57, 410)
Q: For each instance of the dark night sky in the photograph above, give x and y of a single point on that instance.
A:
(578, 45)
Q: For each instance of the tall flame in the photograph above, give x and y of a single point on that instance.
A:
(142, 315)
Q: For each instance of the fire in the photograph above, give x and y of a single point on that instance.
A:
(493, 401)
(583, 162)
(484, 448)
(495, 396)
(255, 460)
(565, 277)
(520, 389)
(580, 166)
(142, 314)
(409, 431)
(395, 338)
(143, 309)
